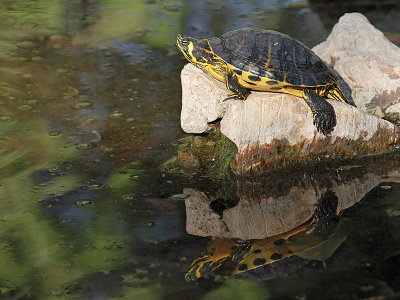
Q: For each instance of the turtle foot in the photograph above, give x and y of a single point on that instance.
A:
(322, 111)
(325, 121)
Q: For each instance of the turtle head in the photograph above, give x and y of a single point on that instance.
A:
(198, 52)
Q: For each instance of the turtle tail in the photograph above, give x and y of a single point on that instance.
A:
(336, 93)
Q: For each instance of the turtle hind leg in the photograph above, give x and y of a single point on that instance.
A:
(238, 92)
(323, 113)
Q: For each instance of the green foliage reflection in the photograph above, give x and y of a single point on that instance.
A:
(37, 256)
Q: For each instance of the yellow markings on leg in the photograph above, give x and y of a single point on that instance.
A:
(214, 73)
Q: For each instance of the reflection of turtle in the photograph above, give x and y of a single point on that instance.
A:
(226, 257)
(265, 60)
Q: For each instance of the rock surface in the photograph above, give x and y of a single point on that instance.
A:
(367, 61)
(271, 129)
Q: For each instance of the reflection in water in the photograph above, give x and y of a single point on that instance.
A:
(281, 200)
(270, 224)
(228, 257)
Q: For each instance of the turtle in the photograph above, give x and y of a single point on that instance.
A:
(266, 60)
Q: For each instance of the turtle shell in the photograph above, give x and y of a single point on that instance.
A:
(274, 55)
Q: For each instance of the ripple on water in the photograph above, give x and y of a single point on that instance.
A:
(84, 146)
(83, 105)
(25, 107)
(116, 115)
(6, 118)
(54, 133)
(25, 45)
(37, 58)
(33, 101)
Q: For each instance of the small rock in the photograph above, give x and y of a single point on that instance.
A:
(378, 112)
(394, 109)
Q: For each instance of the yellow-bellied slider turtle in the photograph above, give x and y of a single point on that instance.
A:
(266, 60)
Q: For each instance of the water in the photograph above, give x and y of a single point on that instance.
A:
(89, 111)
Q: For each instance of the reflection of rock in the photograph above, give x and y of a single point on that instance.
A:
(268, 206)
(274, 129)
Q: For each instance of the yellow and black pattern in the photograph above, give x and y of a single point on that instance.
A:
(265, 60)
(226, 257)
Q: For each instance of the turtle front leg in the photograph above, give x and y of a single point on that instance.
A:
(238, 92)
(323, 113)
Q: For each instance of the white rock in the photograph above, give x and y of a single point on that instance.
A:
(202, 98)
(365, 59)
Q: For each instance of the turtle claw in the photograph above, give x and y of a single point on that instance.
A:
(323, 112)
(324, 122)
(233, 97)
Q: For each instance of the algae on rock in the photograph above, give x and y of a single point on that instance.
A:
(209, 153)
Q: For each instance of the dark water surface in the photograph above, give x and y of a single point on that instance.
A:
(89, 110)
